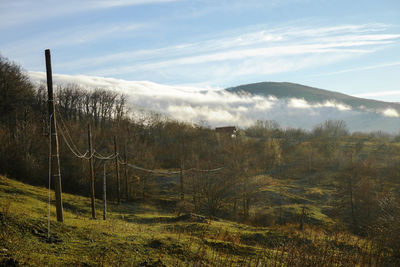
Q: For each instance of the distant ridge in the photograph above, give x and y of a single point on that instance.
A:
(312, 95)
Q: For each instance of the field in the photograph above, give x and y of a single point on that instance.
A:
(149, 233)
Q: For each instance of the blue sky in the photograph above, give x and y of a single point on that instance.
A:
(347, 46)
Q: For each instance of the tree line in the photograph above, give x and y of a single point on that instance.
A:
(361, 168)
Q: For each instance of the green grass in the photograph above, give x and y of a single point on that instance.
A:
(286, 198)
(144, 234)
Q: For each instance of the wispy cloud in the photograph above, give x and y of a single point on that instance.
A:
(264, 41)
(378, 66)
(219, 107)
(240, 54)
(25, 11)
(74, 36)
(379, 93)
(276, 50)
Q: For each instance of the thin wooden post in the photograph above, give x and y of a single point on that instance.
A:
(181, 181)
(182, 147)
(55, 159)
(91, 172)
(104, 193)
(117, 170)
(126, 174)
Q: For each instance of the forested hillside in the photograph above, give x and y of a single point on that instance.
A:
(262, 176)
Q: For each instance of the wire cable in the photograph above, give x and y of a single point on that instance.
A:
(73, 148)
(212, 170)
(167, 173)
(97, 155)
(151, 171)
(77, 154)
(67, 132)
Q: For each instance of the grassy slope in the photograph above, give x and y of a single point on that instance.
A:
(142, 234)
(288, 196)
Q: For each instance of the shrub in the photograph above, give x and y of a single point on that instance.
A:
(184, 206)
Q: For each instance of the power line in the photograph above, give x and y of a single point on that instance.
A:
(187, 170)
(68, 134)
(74, 149)
(167, 173)
(77, 154)
(151, 171)
(212, 170)
(99, 156)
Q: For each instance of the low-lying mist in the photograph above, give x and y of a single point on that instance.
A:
(217, 107)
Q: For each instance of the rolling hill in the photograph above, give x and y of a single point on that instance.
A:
(311, 95)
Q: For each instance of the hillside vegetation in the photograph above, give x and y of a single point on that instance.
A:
(147, 234)
(185, 194)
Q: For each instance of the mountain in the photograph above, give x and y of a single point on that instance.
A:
(312, 95)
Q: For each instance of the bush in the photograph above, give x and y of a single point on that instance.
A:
(184, 206)
(262, 219)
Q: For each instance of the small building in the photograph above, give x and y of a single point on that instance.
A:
(228, 130)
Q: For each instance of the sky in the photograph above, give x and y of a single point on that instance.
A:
(351, 47)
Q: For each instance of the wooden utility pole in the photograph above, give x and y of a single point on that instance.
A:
(182, 143)
(54, 157)
(181, 181)
(104, 193)
(117, 170)
(126, 174)
(91, 172)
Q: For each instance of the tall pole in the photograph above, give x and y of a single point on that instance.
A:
(104, 193)
(55, 159)
(117, 171)
(181, 181)
(181, 165)
(91, 172)
(126, 174)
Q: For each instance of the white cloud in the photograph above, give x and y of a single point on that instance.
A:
(276, 50)
(218, 107)
(299, 103)
(71, 37)
(380, 93)
(26, 11)
(333, 104)
(377, 66)
(390, 112)
(224, 60)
